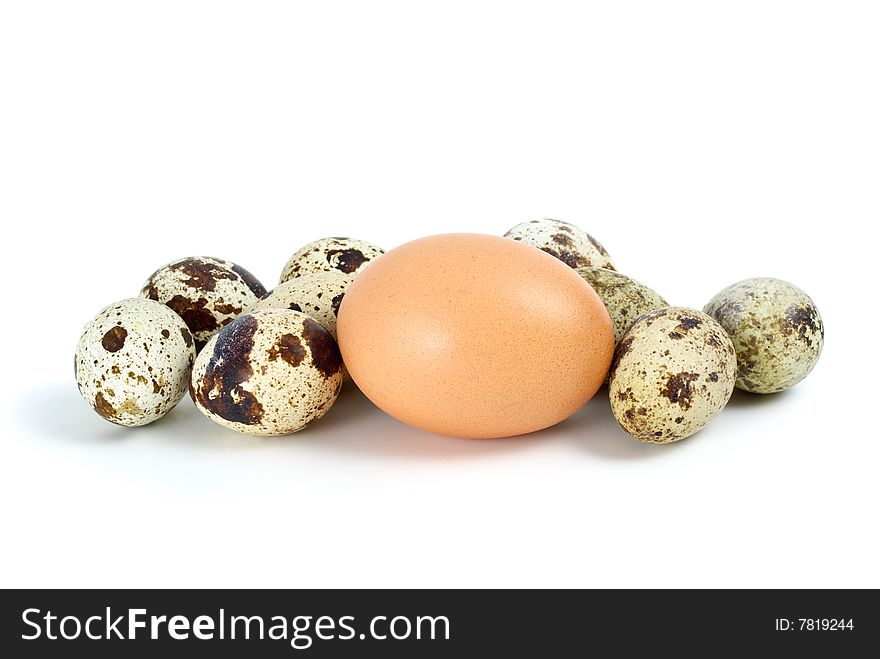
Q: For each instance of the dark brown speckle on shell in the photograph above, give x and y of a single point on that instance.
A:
(678, 388)
(114, 338)
(202, 273)
(219, 390)
(250, 281)
(289, 348)
(325, 353)
(104, 408)
(346, 260)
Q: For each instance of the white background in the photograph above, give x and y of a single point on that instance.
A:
(702, 143)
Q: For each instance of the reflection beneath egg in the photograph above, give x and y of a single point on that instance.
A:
(355, 425)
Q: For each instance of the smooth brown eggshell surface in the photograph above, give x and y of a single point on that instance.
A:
(474, 336)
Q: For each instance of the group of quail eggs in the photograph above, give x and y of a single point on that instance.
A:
(256, 362)
(267, 363)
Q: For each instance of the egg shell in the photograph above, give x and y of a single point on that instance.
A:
(133, 361)
(776, 329)
(568, 243)
(344, 255)
(270, 372)
(206, 292)
(673, 372)
(625, 298)
(317, 295)
(474, 336)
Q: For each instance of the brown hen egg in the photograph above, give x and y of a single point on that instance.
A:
(474, 336)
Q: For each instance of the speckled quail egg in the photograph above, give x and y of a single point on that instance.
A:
(133, 361)
(625, 298)
(317, 295)
(565, 241)
(345, 255)
(672, 373)
(207, 293)
(270, 372)
(776, 330)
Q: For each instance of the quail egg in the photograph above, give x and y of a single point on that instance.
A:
(776, 330)
(345, 255)
(625, 298)
(133, 361)
(207, 293)
(317, 295)
(565, 241)
(270, 372)
(672, 373)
